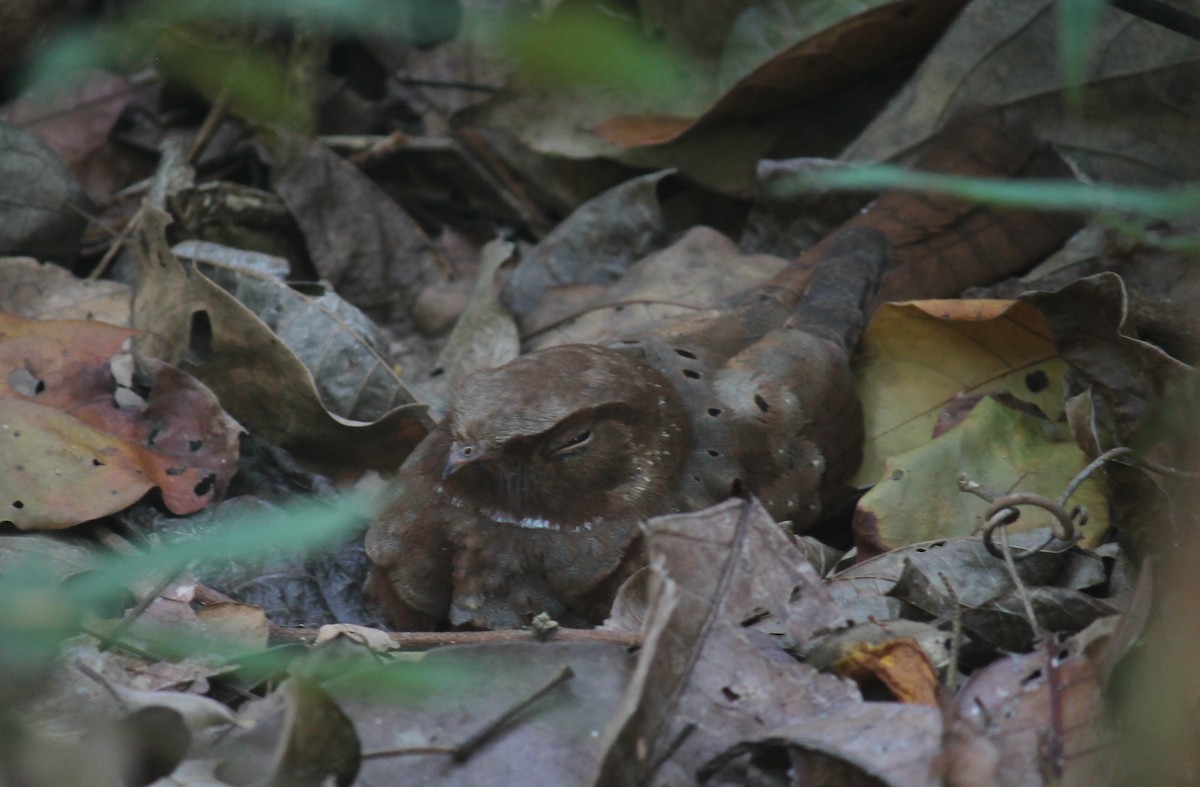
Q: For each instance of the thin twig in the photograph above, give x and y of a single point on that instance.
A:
(1018, 585)
(449, 84)
(472, 744)
(424, 640)
(463, 751)
(132, 616)
(204, 135)
(115, 248)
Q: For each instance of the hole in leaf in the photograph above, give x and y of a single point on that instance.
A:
(685, 353)
(1037, 381)
(711, 452)
(25, 382)
(692, 373)
(205, 486)
(200, 339)
(714, 411)
(18, 504)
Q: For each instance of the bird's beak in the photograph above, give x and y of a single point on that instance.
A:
(461, 454)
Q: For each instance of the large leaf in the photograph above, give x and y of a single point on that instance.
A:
(915, 358)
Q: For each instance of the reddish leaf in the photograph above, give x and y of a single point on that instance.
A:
(77, 446)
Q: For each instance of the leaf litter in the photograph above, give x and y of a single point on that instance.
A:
(919, 635)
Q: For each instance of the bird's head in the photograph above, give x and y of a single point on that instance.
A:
(565, 436)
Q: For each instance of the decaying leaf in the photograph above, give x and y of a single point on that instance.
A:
(297, 735)
(916, 357)
(704, 677)
(75, 450)
(1043, 712)
(258, 380)
(1004, 450)
(1087, 320)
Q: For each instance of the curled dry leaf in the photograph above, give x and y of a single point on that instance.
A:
(900, 665)
(869, 589)
(346, 353)
(73, 453)
(296, 735)
(262, 383)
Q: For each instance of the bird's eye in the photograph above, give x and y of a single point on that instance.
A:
(575, 443)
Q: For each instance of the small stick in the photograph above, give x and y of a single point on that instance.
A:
(463, 751)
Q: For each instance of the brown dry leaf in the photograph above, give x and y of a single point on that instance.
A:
(899, 664)
(76, 124)
(686, 280)
(360, 240)
(871, 590)
(1087, 320)
(75, 450)
(240, 627)
(44, 291)
(704, 678)
(595, 244)
(836, 47)
(43, 211)
(916, 357)
(1004, 450)
(346, 353)
(1043, 712)
(485, 335)
(556, 741)
(1140, 91)
(295, 736)
(697, 119)
(1002, 622)
(866, 744)
(257, 379)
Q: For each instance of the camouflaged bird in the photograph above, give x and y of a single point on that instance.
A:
(531, 494)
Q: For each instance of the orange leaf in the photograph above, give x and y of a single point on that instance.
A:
(74, 445)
